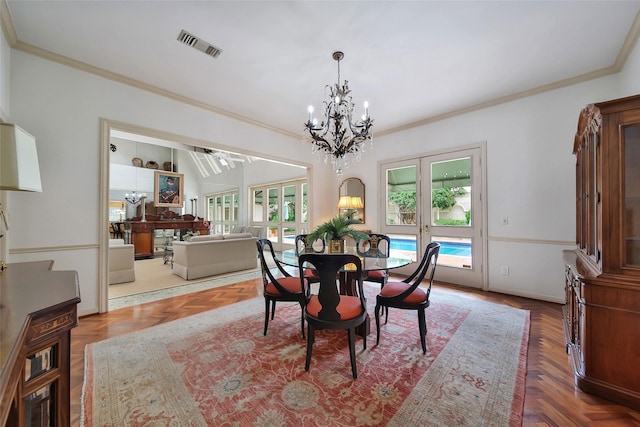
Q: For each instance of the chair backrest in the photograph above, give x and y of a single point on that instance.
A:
(328, 266)
(426, 268)
(267, 275)
(377, 245)
(303, 246)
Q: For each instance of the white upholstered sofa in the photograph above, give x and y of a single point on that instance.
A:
(121, 262)
(214, 254)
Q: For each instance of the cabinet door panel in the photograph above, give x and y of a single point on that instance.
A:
(631, 196)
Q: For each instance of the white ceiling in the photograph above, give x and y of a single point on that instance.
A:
(411, 60)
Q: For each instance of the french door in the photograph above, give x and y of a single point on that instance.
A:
(281, 210)
(438, 198)
(222, 211)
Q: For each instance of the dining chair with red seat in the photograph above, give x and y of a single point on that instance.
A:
(376, 246)
(329, 309)
(408, 295)
(281, 287)
(304, 246)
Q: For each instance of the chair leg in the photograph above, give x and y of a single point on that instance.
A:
(266, 315)
(384, 308)
(352, 351)
(302, 318)
(310, 337)
(378, 324)
(364, 341)
(422, 324)
(273, 309)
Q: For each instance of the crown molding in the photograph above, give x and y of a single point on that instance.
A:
(6, 21)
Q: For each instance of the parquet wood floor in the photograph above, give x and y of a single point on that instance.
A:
(551, 397)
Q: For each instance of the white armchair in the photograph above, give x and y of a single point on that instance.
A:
(121, 262)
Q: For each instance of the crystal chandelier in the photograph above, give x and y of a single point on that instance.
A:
(338, 137)
(135, 198)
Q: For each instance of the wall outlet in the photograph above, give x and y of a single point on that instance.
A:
(504, 270)
(505, 220)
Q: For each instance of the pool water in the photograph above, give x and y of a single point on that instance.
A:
(446, 248)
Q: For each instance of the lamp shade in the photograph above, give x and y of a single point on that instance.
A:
(344, 202)
(19, 168)
(350, 202)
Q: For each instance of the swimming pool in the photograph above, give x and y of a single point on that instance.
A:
(446, 248)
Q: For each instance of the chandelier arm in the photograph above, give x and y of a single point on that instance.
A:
(338, 136)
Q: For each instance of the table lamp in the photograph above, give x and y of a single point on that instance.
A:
(19, 167)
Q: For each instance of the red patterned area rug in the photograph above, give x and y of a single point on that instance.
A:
(217, 369)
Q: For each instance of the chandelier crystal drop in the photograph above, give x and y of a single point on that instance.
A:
(339, 138)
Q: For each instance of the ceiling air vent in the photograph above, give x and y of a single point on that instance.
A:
(193, 41)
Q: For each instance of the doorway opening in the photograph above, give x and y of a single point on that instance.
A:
(122, 144)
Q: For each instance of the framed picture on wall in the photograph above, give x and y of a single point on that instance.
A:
(168, 189)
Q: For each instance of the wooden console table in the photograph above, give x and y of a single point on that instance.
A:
(142, 232)
(38, 308)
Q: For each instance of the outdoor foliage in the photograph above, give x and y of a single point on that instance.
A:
(405, 200)
(443, 198)
(449, 221)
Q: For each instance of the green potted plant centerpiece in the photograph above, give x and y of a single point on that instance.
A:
(336, 229)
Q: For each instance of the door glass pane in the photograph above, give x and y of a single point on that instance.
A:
(272, 234)
(401, 196)
(454, 252)
(403, 246)
(234, 216)
(273, 205)
(257, 205)
(594, 148)
(39, 407)
(227, 208)
(211, 208)
(289, 235)
(218, 214)
(451, 193)
(303, 212)
(631, 202)
(289, 203)
(584, 211)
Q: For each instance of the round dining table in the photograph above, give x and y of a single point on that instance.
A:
(347, 279)
(369, 263)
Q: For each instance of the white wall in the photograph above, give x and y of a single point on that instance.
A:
(530, 167)
(5, 88)
(63, 108)
(530, 179)
(5, 67)
(630, 74)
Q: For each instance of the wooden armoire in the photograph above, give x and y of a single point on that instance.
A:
(602, 311)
